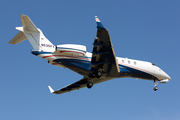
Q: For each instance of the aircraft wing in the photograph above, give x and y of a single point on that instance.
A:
(75, 86)
(78, 85)
(103, 55)
(103, 60)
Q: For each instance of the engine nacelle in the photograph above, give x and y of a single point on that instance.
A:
(71, 49)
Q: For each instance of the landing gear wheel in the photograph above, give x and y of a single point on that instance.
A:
(99, 74)
(155, 85)
(155, 88)
(89, 85)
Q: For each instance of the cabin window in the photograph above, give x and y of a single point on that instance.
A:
(129, 62)
(122, 61)
(135, 63)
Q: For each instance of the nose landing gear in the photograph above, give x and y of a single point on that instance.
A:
(155, 85)
(155, 88)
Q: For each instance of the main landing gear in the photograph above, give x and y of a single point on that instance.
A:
(155, 85)
(89, 85)
(99, 74)
(90, 82)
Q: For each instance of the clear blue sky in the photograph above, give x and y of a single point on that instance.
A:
(139, 29)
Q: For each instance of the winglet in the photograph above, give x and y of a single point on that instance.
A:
(51, 90)
(99, 24)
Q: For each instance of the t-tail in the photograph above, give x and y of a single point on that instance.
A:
(35, 36)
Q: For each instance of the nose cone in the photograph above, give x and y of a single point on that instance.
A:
(161, 75)
(166, 76)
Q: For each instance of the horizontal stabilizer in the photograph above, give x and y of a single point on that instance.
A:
(28, 24)
(18, 38)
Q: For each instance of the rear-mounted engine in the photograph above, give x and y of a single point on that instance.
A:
(71, 49)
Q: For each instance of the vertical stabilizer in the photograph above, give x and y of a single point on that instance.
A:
(35, 36)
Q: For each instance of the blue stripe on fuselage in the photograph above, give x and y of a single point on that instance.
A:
(135, 72)
(85, 64)
(39, 52)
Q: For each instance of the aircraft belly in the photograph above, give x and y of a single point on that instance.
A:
(80, 66)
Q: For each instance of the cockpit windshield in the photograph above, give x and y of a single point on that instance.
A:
(154, 64)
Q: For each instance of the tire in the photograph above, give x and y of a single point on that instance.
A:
(155, 88)
(89, 85)
(99, 74)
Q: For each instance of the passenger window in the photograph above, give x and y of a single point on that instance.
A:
(122, 61)
(134, 63)
(129, 62)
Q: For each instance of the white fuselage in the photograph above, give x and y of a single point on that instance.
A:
(129, 67)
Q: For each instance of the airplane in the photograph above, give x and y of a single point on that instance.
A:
(97, 66)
